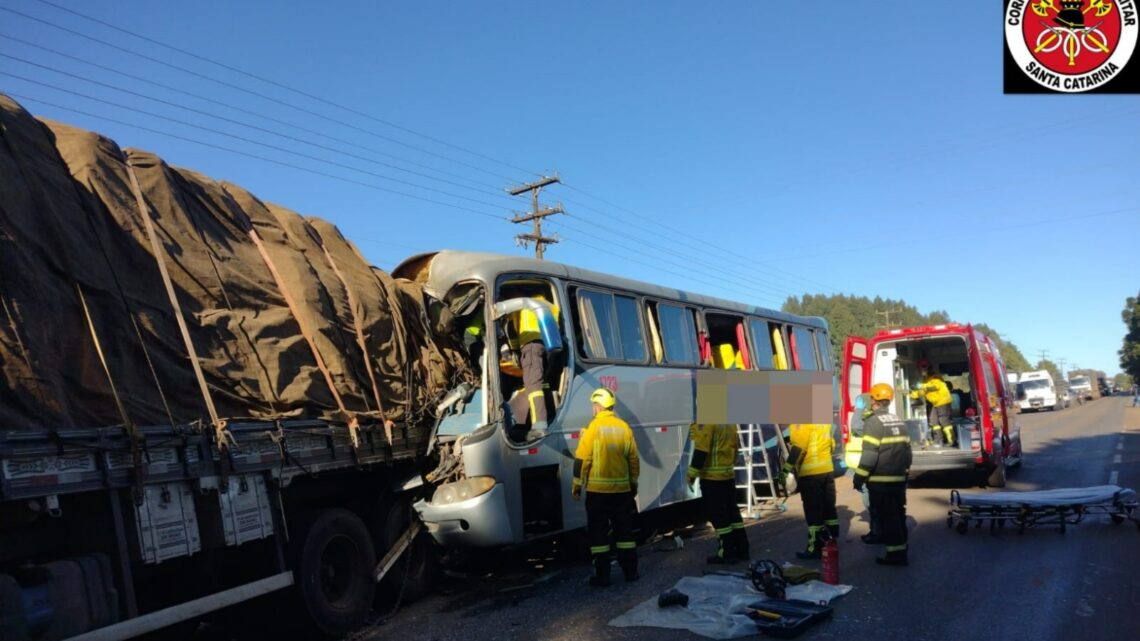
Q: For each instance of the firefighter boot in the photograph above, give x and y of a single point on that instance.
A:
(948, 430)
(896, 555)
(815, 543)
(627, 559)
(742, 548)
(601, 576)
(724, 548)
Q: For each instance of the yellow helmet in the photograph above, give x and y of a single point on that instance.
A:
(603, 397)
(882, 392)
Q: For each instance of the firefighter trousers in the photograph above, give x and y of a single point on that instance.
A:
(534, 401)
(606, 512)
(888, 507)
(818, 494)
(719, 500)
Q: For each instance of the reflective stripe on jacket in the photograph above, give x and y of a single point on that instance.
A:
(607, 455)
(886, 449)
(714, 451)
(810, 449)
(936, 391)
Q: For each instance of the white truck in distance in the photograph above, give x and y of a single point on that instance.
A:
(1081, 387)
(1035, 391)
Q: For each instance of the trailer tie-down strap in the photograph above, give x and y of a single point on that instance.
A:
(222, 436)
(358, 326)
(306, 332)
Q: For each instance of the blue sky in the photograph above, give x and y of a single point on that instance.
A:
(741, 149)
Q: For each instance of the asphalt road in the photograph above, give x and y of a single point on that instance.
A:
(1042, 585)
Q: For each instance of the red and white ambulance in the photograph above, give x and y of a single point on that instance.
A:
(987, 435)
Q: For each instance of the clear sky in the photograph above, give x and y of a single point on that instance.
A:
(749, 150)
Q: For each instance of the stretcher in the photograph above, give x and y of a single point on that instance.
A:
(1061, 507)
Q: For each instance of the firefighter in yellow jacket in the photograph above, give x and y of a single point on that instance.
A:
(606, 465)
(937, 394)
(714, 456)
(810, 459)
(525, 339)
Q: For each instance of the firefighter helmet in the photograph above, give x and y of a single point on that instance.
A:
(603, 397)
(882, 392)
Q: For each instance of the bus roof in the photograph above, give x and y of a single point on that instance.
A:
(448, 267)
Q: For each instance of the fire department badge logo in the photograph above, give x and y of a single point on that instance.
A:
(1070, 46)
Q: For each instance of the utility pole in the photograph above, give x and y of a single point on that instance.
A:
(1044, 353)
(886, 314)
(536, 214)
(1061, 364)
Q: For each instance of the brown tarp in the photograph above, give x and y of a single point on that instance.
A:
(78, 276)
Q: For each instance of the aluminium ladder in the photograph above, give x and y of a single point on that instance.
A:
(762, 450)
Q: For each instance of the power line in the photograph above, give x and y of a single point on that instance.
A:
(222, 118)
(248, 91)
(286, 87)
(254, 142)
(290, 124)
(255, 156)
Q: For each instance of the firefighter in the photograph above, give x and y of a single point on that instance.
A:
(714, 457)
(525, 339)
(810, 459)
(937, 394)
(883, 468)
(606, 465)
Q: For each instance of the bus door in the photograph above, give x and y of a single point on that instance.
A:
(855, 380)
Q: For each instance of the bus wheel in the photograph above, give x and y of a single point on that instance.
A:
(334, 572)
(414, 572)
(997, 476)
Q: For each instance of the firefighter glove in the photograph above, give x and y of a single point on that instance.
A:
(576, 491)
(858, 482)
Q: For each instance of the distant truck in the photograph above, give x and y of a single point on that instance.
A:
(1036, 391)
(1081, 386)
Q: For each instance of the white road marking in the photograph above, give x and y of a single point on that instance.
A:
(1113, 477)
(1116, 460)
(1119, 446)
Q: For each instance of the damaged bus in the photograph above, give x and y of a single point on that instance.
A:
(500, 483)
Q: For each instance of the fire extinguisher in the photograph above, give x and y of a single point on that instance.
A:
(830, 571)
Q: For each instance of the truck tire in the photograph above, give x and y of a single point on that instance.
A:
(333, 572)
(414, 573)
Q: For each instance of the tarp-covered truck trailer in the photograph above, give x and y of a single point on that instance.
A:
(204, 398)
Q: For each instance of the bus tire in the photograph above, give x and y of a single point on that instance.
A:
(997, 475)
(333, 572)
(413, 575)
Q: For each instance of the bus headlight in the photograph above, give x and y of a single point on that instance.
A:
(462, 490)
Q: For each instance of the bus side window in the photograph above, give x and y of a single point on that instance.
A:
(823, 344)
(762, 340)
(678, 334)
(610, 326)
(803, 348)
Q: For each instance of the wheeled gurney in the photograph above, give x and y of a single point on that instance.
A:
(1060, 507)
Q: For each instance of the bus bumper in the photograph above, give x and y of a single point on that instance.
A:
(477, 522)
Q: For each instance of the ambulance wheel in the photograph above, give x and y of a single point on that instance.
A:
(333, 572)
(997, 476)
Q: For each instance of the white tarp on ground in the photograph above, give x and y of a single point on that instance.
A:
(1098, 495)
(717, 606)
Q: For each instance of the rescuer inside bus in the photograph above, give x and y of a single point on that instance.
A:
(524, 338)
(937, 394)
(810, 459)
(714, 455)
(883, 468)
(606, 466)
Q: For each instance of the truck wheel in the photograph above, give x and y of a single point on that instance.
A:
(413, 574)
(997, 476)
(334, 572)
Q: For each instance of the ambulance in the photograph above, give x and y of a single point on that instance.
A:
(987, 436)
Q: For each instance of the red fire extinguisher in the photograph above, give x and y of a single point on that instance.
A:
(830, 571)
